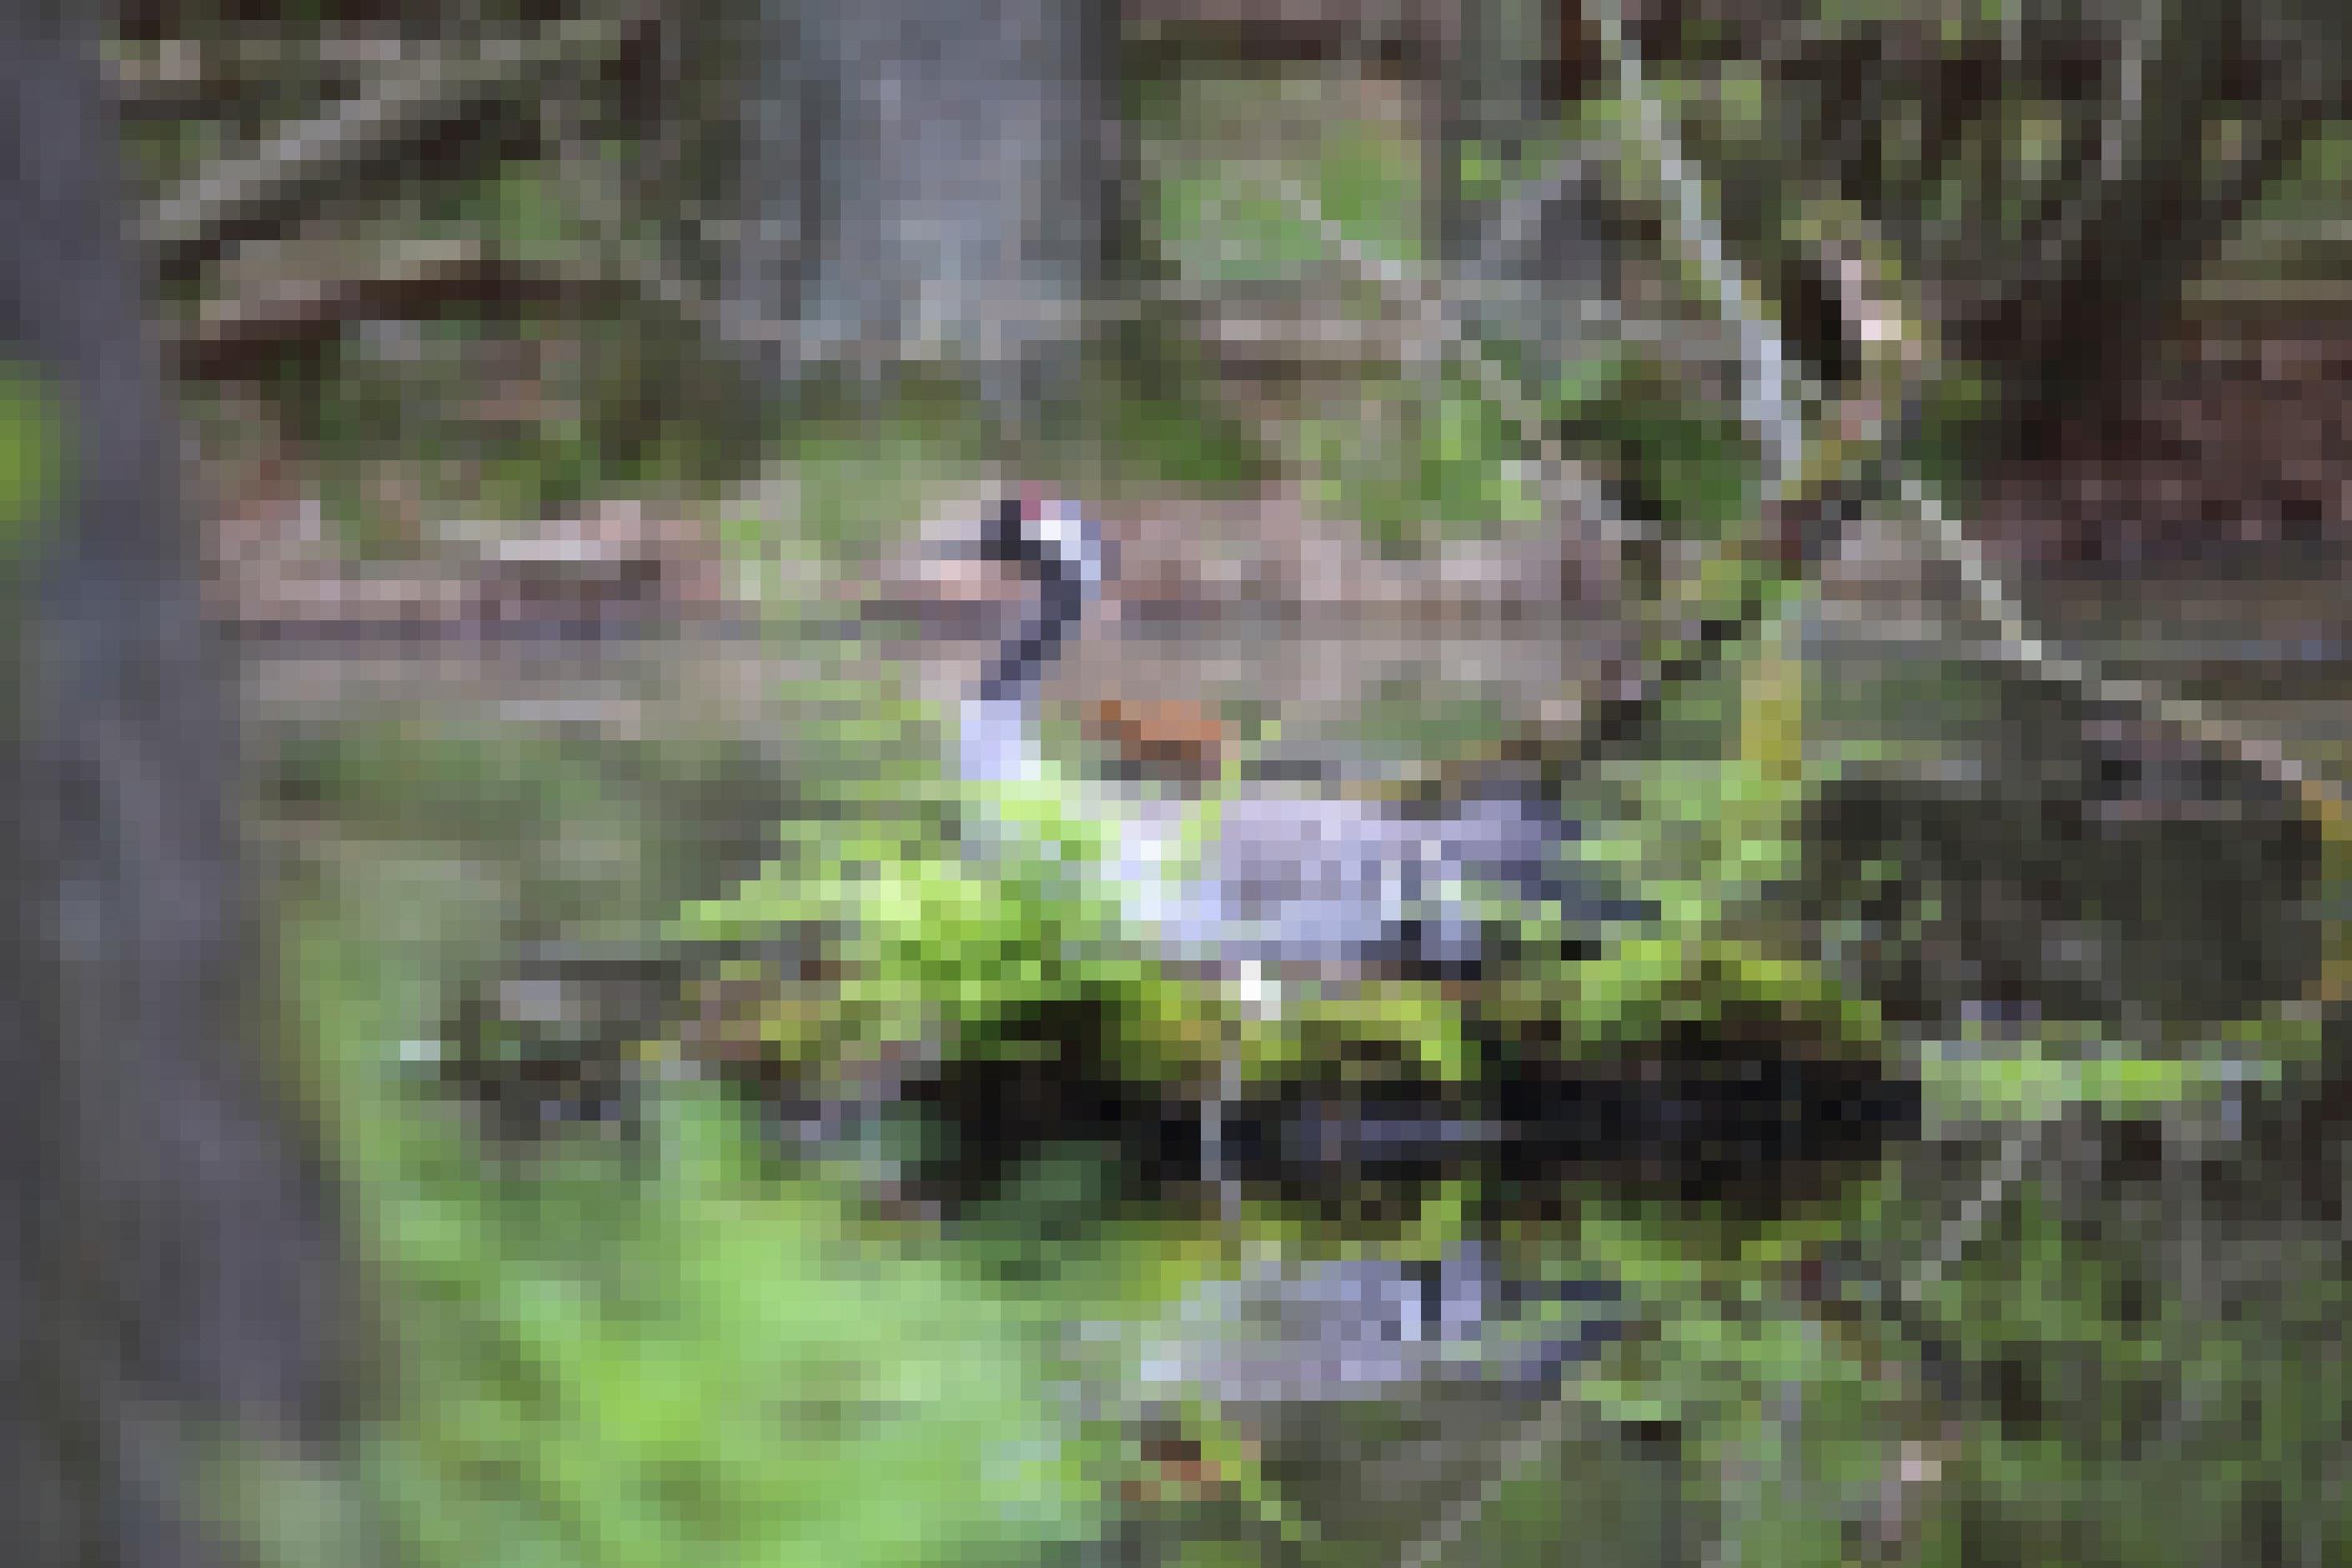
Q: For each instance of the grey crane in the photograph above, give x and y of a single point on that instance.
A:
(1281, 875)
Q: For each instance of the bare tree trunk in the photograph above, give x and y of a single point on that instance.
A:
(930, 181)
(165, 1255)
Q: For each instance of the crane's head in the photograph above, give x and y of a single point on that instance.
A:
(1057, 549)
(1044, 538)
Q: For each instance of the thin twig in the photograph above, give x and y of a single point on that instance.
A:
(1542, 1431)
(2018, 1150)
(1432, 306)
(1768, 394)
(641, 260)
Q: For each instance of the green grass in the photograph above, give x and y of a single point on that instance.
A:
(1222, 228)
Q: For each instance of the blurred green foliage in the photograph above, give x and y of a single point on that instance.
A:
(31, 454)
(598, 1362)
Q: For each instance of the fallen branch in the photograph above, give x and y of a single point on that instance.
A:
(243, 336)
(225, 200)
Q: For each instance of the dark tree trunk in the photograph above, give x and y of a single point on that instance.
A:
(166, 1257)
(930, 181)
(2072, 324)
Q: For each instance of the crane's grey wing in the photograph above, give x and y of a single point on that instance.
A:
(1337, 879)
(1311, 880)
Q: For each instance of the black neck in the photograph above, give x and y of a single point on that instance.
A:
(1019, 664)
